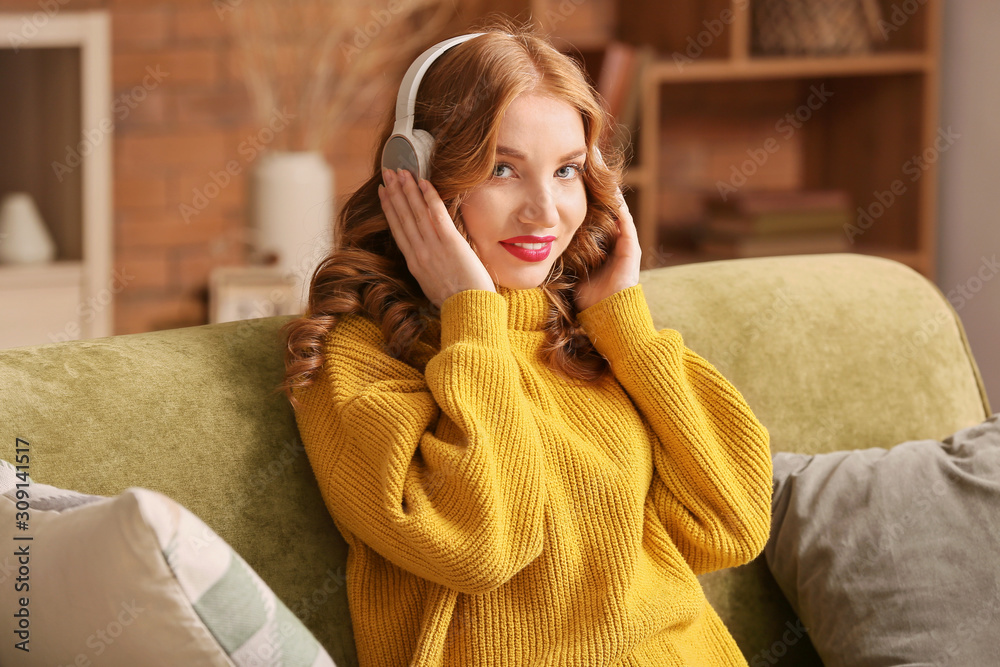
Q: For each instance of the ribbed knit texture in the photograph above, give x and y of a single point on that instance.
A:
(498, 514)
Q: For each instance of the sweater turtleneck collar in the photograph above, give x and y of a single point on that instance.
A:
(527, 309)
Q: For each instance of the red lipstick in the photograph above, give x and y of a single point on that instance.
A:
(529, 239)
(529, 254)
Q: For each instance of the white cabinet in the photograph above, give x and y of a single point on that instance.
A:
(41, 304)
(56, 130)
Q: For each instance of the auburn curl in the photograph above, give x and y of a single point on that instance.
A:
(461, 101)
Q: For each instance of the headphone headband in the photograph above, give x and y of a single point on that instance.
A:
(406, 99)
(408, 148)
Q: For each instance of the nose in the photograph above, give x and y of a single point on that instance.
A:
(539, 207)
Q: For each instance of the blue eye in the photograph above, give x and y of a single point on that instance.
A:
(574, 167)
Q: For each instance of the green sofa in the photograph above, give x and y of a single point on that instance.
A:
(831, 351)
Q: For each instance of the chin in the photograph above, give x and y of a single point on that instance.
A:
(524, 281)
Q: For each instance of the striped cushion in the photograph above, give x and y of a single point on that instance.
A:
(139, 579)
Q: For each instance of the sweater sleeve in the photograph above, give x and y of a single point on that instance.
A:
(441, 473)
(711, 486)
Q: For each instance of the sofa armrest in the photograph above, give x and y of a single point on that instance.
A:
(832, 351)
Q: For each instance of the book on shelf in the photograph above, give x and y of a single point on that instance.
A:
(777, 222)
(752, 202)
(620, 83)
(614, 79)
(793, 243)
(628, 120)
(754, 218)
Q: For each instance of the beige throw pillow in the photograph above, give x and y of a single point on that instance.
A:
(132, 580)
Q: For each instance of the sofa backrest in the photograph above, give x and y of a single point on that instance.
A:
(830, 351)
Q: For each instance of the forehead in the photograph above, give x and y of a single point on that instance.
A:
(536, 124)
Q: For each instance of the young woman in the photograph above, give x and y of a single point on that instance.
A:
(526, 470)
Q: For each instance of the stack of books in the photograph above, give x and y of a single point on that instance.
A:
(620, 83)
(759, 223)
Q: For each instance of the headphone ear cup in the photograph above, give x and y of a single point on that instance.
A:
(423, 146)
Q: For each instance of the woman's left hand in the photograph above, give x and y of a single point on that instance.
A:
(620, 271)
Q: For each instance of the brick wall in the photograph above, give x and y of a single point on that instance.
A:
(180, 110)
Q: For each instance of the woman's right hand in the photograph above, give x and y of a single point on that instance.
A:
(436, 253)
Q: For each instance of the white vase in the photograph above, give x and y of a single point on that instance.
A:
(24, 239)
(291, 212)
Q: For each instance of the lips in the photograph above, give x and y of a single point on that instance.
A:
(529, 239)
(528, 254)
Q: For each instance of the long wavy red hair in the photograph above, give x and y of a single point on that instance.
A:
(461, 101)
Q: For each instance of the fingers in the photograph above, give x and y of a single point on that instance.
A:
(415, 200)
(440, 218)
(620, 198)
(409, 207)
(622, 206)
(623, 211)
(406, 211)
(396, 226)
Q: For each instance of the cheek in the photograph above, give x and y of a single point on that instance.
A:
(476, 220)
(576, 210)
(483, 215)
(471, 213)
(572, 236)
(575, 215)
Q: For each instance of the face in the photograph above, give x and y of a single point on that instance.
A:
(536, 190)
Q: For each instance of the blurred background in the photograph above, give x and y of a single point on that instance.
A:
(173, 163)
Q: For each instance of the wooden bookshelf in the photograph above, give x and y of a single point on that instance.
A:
(708, 99)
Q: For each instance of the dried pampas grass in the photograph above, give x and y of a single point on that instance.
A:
(322, 60)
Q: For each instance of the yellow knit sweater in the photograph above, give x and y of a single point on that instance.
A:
(499, 514)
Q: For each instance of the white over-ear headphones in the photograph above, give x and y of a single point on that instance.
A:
(408, 148)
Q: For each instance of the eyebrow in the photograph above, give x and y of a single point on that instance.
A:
(504, 150)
